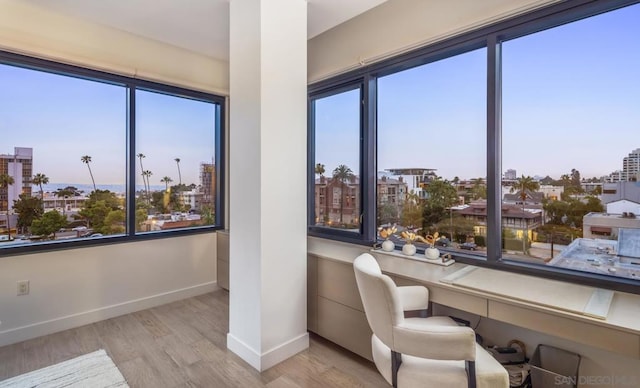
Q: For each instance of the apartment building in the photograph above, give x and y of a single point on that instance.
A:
(19, 166)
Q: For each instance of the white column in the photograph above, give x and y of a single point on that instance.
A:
(267, 180)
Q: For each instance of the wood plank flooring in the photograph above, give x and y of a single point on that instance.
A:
(183, 344)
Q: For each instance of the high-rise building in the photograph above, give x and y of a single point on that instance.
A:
(208, 183)
(630, 168)
(631, 164)
(510, 174)
(19, 166)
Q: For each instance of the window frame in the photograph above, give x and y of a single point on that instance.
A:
(130, 85)
(491, 37)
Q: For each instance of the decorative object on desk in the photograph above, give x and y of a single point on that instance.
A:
(408, 248)
(431, 253)
(385, 233)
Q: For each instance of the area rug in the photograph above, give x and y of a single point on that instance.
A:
(95, 370)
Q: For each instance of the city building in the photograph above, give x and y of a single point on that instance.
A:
(510, 174)
(531, 198)
(19, 166)
(620, 214)
(417, 178)
(193, 199)
(514, 219)
(552, 192)
(207, 186)
(630, 169)
(615, 191)
(337, 202)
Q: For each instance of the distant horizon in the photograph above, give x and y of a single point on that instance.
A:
(88, 188)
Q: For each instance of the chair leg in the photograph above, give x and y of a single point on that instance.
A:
(396, 361)
(470, 366)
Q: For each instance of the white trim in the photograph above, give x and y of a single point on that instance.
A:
(55, 325)
(272, 356)
(285, 350)
(244, 351)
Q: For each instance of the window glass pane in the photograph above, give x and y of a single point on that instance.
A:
(431, 152)
(337, 161)
(571, 145)
(175, 164)
(62, 159)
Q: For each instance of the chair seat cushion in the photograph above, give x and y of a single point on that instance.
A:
(421, 372)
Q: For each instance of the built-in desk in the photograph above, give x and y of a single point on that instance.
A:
(553, 307)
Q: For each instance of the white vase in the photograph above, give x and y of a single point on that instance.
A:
(388, 246)
(409, 249)
(432, 253)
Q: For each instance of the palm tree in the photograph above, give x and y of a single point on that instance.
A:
(320, 169)
(179, 175)
(166, 180)
(40, 179)
(5, 182)
(342, 173)
(87, 159)
(144, 182)
(525, 185)
(147, 174)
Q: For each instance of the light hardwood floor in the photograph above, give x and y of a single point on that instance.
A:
(183, 344)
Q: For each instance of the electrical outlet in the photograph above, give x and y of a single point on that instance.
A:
(23, 287)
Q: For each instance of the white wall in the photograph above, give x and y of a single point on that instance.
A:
(28, 29)
(267, 314)
(73, 287)
(77, 286)
(399, 25)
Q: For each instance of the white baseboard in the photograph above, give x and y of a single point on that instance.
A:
(55, 325)
(270, 357)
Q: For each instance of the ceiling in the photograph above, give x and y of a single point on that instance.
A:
(197, 25)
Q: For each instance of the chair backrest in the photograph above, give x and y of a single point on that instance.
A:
(379, 297)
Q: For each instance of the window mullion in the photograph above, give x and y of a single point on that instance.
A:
(494, 149)
(131, 161)
(368, 155)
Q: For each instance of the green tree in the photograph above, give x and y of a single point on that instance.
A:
(208, 215)
(40, 179)
(320, 169)
(6, 181)
(158, 202)
(28, 209)
(479, 189)
(141, 216)
(97, 207)
(87, 160)
(342, 173)
(141, 156)
(525, 185)
(387, 214)
(177, 160)
(166, 180)
(147, 174)
(440, 196)
(48, 224)
(114, 222)
(412, 209)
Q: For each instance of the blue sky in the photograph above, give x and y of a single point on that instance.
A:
(64, 118)
(571, 99)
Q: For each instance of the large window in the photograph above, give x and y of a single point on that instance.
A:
(517, 143)
(69, 158)
(571, 123)
(337, 128)
(175, 169)
(431, 150)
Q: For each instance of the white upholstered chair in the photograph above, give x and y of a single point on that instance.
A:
(420, 352)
